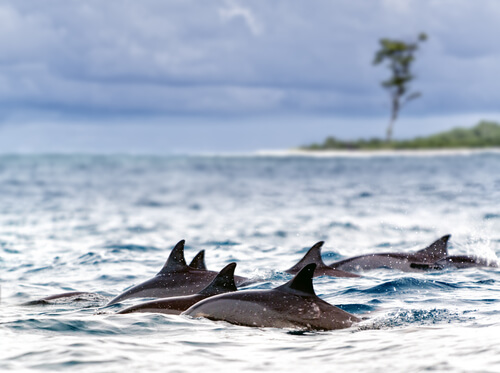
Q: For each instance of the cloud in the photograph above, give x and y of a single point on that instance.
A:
(235, 11)
(241, 58)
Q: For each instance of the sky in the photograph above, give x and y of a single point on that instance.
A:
(182, 76)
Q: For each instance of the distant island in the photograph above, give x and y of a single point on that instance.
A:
(484, 134)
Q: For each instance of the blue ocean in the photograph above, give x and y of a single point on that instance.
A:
(104, 223)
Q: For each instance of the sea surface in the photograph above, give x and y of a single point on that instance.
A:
(104, 223)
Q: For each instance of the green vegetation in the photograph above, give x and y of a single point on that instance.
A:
(485, 134)
(399, 55)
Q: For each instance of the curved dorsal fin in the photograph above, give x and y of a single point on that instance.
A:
(436, 250)
(198, 261)
(302, 281)
(223, 282)
(313, 255)
(175, 261)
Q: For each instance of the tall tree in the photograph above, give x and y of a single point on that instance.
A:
(400, 56)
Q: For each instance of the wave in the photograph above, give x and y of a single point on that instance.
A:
(130, 247)
(406, 317)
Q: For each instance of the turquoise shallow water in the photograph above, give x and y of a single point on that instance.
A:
(104, 223)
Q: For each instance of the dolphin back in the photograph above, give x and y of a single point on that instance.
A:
(456, 261)
(69, 296)
(313, 255)
(435, 251)
(292, 305)
(170, 306)
(176, 278)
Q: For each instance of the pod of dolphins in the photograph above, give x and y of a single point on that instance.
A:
(195, 291)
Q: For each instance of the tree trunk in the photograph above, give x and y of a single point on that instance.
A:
(388, 136)
(394, 116)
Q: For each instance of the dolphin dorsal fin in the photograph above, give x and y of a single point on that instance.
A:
(222, 283)
(175, 261)
(313, 255)
(198, 261)
(302, 281)
(436, 250)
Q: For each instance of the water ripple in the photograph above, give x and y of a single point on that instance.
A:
(104, 223)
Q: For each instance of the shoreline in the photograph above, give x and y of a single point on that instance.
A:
(379, 153)
(278, 153)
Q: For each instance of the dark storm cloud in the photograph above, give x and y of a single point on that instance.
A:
(241, 57)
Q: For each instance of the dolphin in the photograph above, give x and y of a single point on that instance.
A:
(292, 305)
(314, 256)
(73, 295)
(456, 261)
(222, 283)
(176, 278)
(402, 261)
(198, 261)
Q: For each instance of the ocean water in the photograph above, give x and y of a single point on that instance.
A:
(103, 223)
